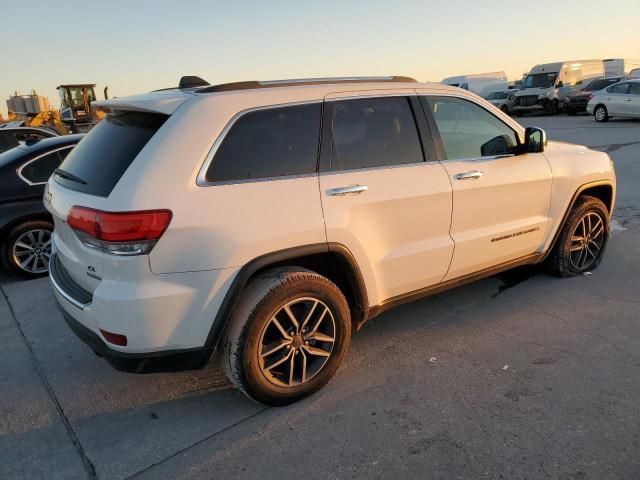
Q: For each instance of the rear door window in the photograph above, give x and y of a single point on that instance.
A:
(102, 157)
(374, 132)
(621, 88)
(269, 143)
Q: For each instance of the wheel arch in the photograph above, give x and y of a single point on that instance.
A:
(332, 260)
(603, 190)
(10, 224)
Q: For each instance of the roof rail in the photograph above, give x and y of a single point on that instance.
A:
(227, 87)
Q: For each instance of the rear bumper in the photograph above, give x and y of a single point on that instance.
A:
(167, 361)
(167, 319)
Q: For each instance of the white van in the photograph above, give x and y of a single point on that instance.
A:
(619, 67)
(481, 84)
(546, 86)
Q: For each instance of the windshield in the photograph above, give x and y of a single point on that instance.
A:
(497, 95)
(540, 80)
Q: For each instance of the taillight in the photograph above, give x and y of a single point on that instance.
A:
(120, 233)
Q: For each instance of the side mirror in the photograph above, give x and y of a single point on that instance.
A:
(535, 140)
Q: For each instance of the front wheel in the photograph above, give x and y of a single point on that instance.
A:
(288, 336)
(551, 107)
(583, 238)
(601, 114)
(28, 248)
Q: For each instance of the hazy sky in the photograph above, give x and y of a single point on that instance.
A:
(139, 45)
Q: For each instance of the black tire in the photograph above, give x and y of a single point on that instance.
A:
(8, 249)
(263, 300)
(551, 107)
(601, 114)
(562, 261)
(571, 113)
(505, 109)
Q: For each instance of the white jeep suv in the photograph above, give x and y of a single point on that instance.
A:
(272, 219)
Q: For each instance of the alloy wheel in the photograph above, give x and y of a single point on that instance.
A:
(296, 342)
(587, 241)
(600, 114)
(32, 250)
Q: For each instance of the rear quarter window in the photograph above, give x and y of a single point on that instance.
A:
(102, 157)
(39, 170)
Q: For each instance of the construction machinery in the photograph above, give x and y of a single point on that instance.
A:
(76, 114)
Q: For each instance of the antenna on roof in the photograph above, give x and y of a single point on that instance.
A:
(192, 81)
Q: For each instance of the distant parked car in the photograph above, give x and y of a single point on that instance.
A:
(504, 100)
(25, 225)
(11, 137)
(577, 101)
(619, 100)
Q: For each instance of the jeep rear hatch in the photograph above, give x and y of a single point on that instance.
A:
(96, 164)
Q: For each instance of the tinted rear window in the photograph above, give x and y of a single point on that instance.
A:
(274, 142)
(106, 152)
(600, 84)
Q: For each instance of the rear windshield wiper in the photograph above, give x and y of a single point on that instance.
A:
(68, 176)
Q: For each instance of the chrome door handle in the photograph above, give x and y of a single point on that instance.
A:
(350, 190)
(473, 175)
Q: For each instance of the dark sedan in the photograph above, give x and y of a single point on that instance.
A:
(25, 225)
(577, 101)
(12, 136)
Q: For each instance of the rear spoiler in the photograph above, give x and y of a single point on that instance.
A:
(166, 102)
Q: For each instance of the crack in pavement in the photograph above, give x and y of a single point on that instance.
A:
(189, 447)
(88, 466)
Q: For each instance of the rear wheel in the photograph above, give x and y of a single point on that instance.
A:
(28, 248)
(583, 238)
(601, 114)
(288, 336)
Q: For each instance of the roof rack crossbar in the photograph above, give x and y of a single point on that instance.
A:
(249, 85)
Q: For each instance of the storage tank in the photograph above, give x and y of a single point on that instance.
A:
(17, 104)
(35, 103)
(28, 104)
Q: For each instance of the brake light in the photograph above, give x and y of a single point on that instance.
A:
(120, 233)
(115, 338)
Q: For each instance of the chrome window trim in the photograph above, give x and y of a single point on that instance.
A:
(380, 167)
(479, 159)
(29, 182)
(201, 179)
